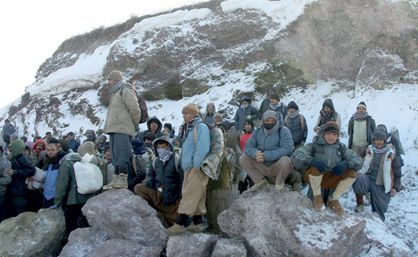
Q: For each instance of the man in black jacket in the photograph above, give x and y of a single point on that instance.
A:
(22, 168)
(162, 187)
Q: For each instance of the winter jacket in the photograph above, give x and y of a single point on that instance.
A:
(265, 105)
(74, 144)
(166, 175)
(388, 164)
(274, 145)
(66, 186)
(294, 124)
(241, 114)
(51, 167)
(193, 155)
(331, 155)
(22, 168)
(243, 139)
(371, 125)
(123, 112)
(5, 178)
(325, 117)
(160, 126)
(8, 129)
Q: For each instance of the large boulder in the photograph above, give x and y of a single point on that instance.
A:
(123, 215)
(82, 242)
(33, 234)
(191, 244)
(229, 248)
(126, 248)
(286, 224)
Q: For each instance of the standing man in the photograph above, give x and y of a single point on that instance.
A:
(195, 147)
(72, 142)
(121, 121)
(360, 129)
(8, 130)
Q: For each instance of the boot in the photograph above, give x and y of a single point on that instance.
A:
(257, 186)
(279, 187)
(195, 228)
(335, 206)
(296, 187)
(359, 208)
(315, 182)
(122, 181)
(175, 229)
(342, 187)
(115, 179)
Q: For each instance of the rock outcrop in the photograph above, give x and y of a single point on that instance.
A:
(272, 224)
(33, 234)
(82, 242)
(191, 244)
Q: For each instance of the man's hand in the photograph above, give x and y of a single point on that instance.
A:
(9, 172)
(259, 156)
(392, 192)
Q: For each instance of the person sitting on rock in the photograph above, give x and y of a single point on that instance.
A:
(267, 153)
(330, 165)
(380, 175)
(245, 112)
(162, 186)
(326, 114)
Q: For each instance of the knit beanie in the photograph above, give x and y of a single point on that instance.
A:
(330, 126)
(86, 147)
(115, 75)
(362, 104)
(17, 148)
(382, 127)
(192, 109)
(249, 122)
(293, 105)
(380, 132)
(150, 136)
(270, 114)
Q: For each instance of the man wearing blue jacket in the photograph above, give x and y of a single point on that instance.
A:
(194, 150)
(267, 153)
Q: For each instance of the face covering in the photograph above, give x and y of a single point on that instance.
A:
(244, 106)
(269, 126)
(149, 145)
(163, 154)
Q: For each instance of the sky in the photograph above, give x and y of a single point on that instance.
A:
(33, 30)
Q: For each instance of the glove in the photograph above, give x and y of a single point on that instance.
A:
(318, 164)
(248, 117)
(340, 168)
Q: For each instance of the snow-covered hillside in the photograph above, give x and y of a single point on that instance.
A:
(343, 50)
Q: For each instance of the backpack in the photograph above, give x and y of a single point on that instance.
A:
(302, 124)
(88, 176)
(213, 160)
(142, 106)
(396, 142)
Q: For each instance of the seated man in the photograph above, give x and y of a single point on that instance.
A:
(162, 188)
(267, 153)
(331, 165)
(376, 175)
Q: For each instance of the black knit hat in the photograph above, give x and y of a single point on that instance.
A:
(380, 133)
(330, 126)
(293, 105)
(168, 125)
(362, 104)
(249, 122)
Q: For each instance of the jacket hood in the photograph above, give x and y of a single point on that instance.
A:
(165, 139)
(72, 157)
(246, 98)
(39, 141)
(329, 103)
(17, 148)
(154, 119)
(87, 147)
(271, 114)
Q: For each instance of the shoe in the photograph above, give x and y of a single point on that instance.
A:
(176, 229)
(335, 206)
(115, 179)
(122, 182)
(257, 186)
(195, 228)
(279, 187)
(318, 203)
(359, 208)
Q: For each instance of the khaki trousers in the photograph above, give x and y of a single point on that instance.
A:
(193, 193)
(155, 199)
(257, 171)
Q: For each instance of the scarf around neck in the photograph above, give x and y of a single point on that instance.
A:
(357, 116)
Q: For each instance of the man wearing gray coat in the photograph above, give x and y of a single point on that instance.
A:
(267, 153)
(121, 121)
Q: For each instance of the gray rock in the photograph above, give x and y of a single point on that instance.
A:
(33, 234)
(272, 224)
(123, 215)
(82, 242)
(191, 244)
(125, 248)
(229, 248)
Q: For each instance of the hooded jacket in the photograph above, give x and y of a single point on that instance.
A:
(158, 133)
(275, 143)
(325, 117)
(371, 126)
(166, 175)
(241, 114)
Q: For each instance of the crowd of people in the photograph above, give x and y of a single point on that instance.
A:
(191, 176)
